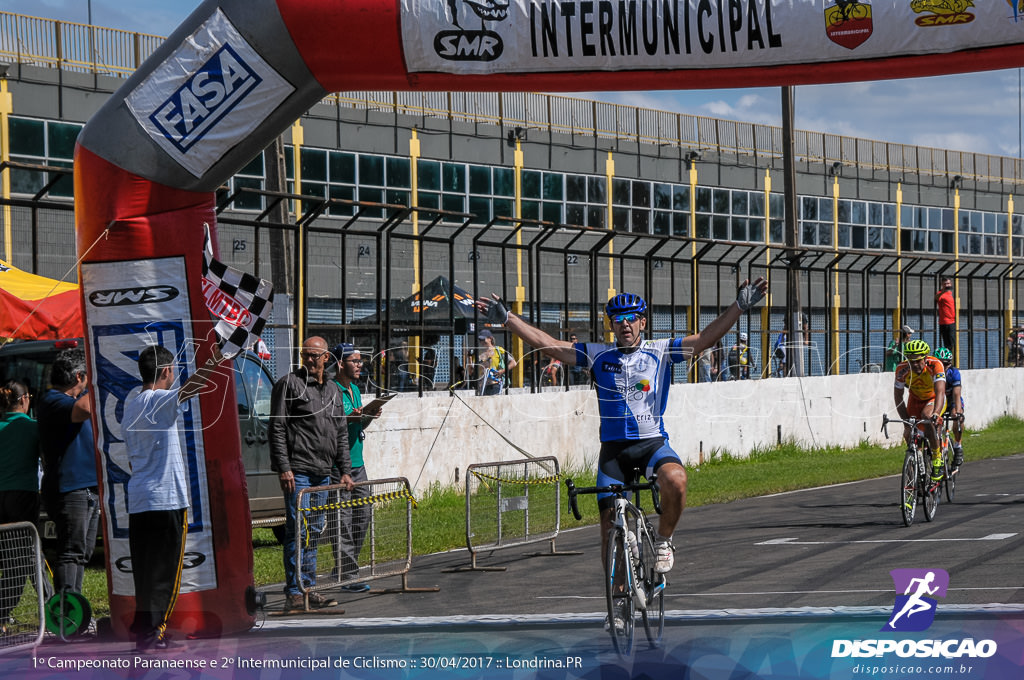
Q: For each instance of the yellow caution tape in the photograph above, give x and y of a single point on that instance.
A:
(524, 482)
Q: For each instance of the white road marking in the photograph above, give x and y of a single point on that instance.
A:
(797, 541)
(669, 594)
(309, 625)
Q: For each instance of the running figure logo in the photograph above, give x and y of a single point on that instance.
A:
(914, 610)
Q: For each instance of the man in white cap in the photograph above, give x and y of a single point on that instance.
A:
(740, 362)
(496, 363)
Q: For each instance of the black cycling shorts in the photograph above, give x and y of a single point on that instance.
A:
(622, 462)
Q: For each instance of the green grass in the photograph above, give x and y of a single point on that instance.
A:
(439, 519)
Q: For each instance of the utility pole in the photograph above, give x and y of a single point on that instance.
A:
(281, 272)
(794, 332)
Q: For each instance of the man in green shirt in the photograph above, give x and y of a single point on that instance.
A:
(354, 520)
(894, 352)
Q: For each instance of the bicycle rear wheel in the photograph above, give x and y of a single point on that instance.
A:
(618, 592)
(908, 488)
(930, 490)
(949, 483)
(654, 587)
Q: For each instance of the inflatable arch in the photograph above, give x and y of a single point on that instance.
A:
(238, 72)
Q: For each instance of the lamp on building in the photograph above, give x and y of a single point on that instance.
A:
(957, 182)
(692, 156)
(836, 170)
(516, 134)
(4, 68)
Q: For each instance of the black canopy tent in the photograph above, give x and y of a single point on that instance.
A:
(438, 308)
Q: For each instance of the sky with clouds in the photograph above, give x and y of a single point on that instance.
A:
(978, 112)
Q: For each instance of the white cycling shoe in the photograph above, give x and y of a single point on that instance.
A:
(665, 559)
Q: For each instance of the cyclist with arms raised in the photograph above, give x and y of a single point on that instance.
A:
(632, 377)
(925, 379)
(954, 402)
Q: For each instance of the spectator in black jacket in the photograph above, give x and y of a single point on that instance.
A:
(308, 436)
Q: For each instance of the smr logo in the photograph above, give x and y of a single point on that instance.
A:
(472, 45)
(914, 610)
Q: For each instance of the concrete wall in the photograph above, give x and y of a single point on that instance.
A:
(433, 439)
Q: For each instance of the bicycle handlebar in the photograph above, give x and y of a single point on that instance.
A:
(615, 489)
(913, 422)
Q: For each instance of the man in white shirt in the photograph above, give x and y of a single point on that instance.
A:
(157, 492)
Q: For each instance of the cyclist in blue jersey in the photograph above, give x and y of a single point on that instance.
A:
(954, 402)
(632, 376)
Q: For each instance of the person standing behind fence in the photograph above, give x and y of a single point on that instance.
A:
(553, 374)
(779, 355)
(740, 361)
(157, 492)
(308, 436)
(947, 314)
(354, 521)
(19, 487)
(894, 352)
(70, 487)
(496, 363)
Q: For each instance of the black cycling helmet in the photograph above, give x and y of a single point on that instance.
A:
(625, 303)
(916, 349)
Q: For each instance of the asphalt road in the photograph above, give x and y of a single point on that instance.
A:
(825, 547)
(762, 588)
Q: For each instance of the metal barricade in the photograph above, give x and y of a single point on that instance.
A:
(510, 504)
(21, 587)
(359, 536)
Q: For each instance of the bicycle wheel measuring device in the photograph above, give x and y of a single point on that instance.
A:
(916, 482)
(631, 583)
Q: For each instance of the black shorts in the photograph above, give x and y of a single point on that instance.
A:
(622, 462)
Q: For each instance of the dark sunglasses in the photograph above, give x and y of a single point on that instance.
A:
(631, 317)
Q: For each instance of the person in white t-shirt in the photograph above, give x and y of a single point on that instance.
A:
(157, 492)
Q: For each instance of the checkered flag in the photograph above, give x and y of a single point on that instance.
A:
(241, 301)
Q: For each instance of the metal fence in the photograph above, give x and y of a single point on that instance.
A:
(359, 536)
(511, 504)
(356, 273)
(93, 49)
(21, 593)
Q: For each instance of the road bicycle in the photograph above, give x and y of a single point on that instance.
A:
(631, 583)
(916, 483)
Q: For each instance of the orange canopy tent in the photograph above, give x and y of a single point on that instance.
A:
(37, 308)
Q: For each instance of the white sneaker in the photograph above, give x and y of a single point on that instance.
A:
(665, 560)
(620, 619)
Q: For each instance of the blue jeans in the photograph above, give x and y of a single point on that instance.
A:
(305, 527)
(77, 516)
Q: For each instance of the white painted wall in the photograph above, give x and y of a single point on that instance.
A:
(426, 440)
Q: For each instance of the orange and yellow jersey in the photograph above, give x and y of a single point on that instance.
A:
(921, 384)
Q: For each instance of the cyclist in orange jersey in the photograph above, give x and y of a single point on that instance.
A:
(924, 377)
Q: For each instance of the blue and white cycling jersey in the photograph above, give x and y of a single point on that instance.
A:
(632, 387)
(953, 380)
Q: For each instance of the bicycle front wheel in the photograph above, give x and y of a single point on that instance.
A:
(618, 577)
(908, 488)
(654, 586)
